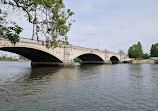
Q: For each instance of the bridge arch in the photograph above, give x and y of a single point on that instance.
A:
(90, 58)
(114, 59)
(33, 54)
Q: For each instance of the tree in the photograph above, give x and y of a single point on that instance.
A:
(49, 19)
(9, 32)
(154, 50)
(140, 50)
(145, 56)
(135, 51)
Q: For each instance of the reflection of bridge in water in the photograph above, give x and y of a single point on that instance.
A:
(60, 56)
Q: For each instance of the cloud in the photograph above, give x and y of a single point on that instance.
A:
(115, 24)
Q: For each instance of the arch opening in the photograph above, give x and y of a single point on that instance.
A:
(114, 60)
(32, 54)
(90, 59)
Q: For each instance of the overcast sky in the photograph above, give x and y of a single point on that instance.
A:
(114, 24)
(110, 24)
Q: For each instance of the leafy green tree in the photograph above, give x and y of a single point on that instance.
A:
(154, 50)
(140, 50)
(9, 32)
(49, 18)
(135, 51)
(146, 56)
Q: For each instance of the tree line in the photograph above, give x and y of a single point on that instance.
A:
(136, 51)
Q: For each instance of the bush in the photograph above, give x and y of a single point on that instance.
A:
(156, 61)
(76, 60)
(145, 56)
(129, 62)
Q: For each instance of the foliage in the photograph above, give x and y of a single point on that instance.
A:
(154, 50)
(135, 51)
(156, 61)
(145, 56)
(9, 32)
(130, 62)
(76, 60)
(49, 18)
(21, 57)
(4, 58)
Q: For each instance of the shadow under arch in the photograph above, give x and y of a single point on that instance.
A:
(90, 59)
(114, 60)
(34, 55)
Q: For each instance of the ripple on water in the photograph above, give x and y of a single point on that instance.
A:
(121, 87)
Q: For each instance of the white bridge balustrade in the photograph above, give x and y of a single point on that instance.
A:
(63, 55)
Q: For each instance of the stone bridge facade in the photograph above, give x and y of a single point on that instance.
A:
(37, 52)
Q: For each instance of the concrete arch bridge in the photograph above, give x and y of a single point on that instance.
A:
(37, 52)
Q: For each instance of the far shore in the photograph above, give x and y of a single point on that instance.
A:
(146, 61)
(16, 60)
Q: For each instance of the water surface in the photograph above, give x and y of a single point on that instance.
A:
(120, 87)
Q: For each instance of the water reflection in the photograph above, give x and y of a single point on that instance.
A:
(39, 73)
(121, 87)
(154, 74)
(136, 72)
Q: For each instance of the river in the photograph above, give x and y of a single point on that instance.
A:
(120, 87)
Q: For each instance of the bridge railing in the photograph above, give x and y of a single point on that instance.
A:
(83, 48)
(40, 42)
(26, 40)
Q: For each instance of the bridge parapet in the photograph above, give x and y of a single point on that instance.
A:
(83, 48)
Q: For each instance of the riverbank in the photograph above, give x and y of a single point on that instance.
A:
(143, 61)
(14, 60)
(8, 60)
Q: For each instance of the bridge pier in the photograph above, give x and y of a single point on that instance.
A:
(52, 64)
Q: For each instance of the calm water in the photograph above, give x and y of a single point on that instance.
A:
(121, 87)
